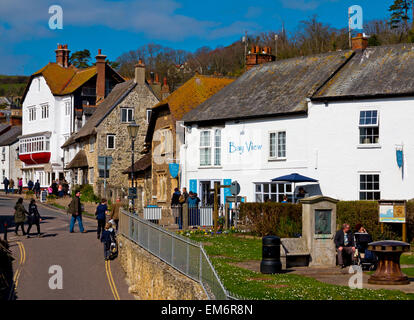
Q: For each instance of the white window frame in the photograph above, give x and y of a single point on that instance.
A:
(34, 145)
(368, 126)
(107, 141)
(32, 113)
(128, 118)
(277, 194)
(213, 147)
(276, 157)
(367, 190)
(68, 108)
(45, 111)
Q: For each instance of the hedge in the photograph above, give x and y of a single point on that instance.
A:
(263, 219)
(285, 220)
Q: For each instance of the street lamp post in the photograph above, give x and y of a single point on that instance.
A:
(133, 132)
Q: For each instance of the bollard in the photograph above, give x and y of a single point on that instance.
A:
(5, 232)
(271, 256)
(185, 216)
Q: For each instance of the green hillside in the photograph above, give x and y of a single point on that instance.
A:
(12, 86)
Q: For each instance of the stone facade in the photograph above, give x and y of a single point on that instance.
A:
(141, 99)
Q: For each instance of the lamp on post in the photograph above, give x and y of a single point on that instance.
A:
(133, 129)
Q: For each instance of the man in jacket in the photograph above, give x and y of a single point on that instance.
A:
(75, 208)
(345, 245)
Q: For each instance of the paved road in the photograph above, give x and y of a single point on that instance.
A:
(86, 275)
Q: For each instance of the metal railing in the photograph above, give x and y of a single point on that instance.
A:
(181, 253)
(153, 213)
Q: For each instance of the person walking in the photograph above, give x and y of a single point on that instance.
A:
(12, 185)
(55, 188)
(19, 216)
(75, 208)
(34, 218)
(60, 190)
(20, 185)
(6, 183)
(37, 189)
(65, 185)
(108, 238)
(30, 185)
(100, 214)
(116, 207)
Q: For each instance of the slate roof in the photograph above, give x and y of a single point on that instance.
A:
(275, 88)
(141, 165)
(376, 72)
(192, 93)
(112, 100)
(10, 136)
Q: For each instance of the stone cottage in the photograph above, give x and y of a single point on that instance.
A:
(104, 142)
(163, 141)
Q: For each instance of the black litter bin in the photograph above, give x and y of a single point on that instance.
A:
(271, 256)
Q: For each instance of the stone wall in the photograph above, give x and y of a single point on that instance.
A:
(151, 279)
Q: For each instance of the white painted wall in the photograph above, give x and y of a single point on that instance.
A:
(249, 166)
(323, 145)
(335, 136)
(58, 123)
(10, 163)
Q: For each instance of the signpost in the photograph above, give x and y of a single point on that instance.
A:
(394, 211)
(132, 193)
(235, 191)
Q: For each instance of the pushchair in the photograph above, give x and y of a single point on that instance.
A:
(364, 257)
(113, 249)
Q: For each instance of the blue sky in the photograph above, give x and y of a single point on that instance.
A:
(115, 26)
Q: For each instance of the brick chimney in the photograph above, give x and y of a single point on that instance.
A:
(62, 55)
(100, 79)
(359, 42)
(165, 90)
(140, 73)
(259, 55)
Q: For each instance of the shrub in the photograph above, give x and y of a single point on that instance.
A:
(367, 214)
(281, 219)
(29, 193)
(87, 194)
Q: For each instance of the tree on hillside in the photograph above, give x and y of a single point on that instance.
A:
(399, 13)
(81, 59)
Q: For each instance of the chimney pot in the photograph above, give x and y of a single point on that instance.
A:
(359, 42)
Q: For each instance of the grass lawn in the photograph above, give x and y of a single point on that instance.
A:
(227, 249)
(407, 259)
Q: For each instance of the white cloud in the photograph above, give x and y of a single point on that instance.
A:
(304, 5)
(158, 18)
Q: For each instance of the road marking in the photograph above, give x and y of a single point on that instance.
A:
(19, 268)
(111, 280)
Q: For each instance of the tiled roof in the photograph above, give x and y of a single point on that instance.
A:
(191, 94)
(117, 93)
(63, 81)
(10, 136)
(374, 72)
(273, 88)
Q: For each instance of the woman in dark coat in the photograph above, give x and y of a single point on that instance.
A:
(34, 217)
(19, 215)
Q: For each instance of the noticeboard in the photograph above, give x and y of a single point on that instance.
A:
(43, 196)
(392, 211)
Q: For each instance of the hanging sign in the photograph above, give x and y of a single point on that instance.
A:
(400, 158)
(174, 169)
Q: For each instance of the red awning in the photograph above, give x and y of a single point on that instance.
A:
(35, 158)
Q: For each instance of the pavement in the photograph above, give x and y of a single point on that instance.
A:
(79, 256)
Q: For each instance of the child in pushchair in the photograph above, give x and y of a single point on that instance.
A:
(365, 258)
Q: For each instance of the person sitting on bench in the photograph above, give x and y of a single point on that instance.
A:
(345, 244)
